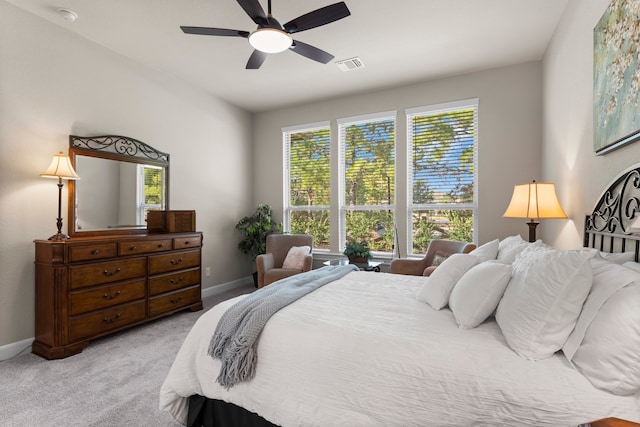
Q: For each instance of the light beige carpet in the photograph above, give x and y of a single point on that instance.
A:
(113, 382)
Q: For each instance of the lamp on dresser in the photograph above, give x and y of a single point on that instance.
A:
(534, 201)
(60, 168)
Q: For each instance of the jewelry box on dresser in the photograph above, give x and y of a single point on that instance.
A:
(114, 272)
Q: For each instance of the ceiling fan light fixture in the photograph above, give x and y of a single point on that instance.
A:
(270, 40)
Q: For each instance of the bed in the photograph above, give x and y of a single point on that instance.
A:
(379, 349)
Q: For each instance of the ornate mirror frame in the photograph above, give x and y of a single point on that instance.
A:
(118, 148)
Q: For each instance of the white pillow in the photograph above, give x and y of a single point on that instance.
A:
(543, 300)
(609, 355)
(478, 292)
(616, 258)
(511, 246)
(295, 257)
(437, 287)
(608, 278)
(632, 265)
(488, 251)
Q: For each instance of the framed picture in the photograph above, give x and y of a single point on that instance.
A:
(616, 76)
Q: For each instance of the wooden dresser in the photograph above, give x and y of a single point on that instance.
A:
(88, 287)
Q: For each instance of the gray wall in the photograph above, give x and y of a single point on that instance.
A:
(567, 151)
(52, 84)
(510, 133)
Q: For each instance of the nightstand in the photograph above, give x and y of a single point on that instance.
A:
(610, 422)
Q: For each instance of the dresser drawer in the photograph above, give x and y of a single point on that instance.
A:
(173, 301)
(105, 272)
(173, 261)
(92, 252)
(173, 281)
(143, 247)
(106, 296)
(187, 242)
(107, 320)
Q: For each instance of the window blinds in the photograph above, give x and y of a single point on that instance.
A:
(308, 157)
(368, 161)
(442, 149)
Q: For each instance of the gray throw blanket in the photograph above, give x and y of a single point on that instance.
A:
(235, 339)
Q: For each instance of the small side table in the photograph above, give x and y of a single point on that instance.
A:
(371, 265)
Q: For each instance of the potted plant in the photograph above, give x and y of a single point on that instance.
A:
(256, 228)
(357, 252)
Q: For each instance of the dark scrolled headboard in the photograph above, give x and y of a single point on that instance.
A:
(607, 228)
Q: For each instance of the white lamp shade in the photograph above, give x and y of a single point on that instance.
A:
(534, 200)
(270, 40)
(60, 167)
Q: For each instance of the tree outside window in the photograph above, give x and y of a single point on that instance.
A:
(150, 190)
(308, 182)
(442, 147)
(368, 178)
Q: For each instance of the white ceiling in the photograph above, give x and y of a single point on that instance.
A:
(399, 42)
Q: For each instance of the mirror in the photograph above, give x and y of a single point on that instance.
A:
(120, 180)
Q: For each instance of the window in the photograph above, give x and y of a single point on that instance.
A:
(442, 152)
(150, 190)
(307, 151)
(367, 180)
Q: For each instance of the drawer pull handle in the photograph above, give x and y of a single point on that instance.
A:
(113, 319)
(161, 245)
(133, 248)
(176, 281)
(175, 300)
(186, 243)
(107, 273)
(95, 252)
(110, 297)
(174, 262)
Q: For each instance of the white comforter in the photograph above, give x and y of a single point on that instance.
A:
(362, 351)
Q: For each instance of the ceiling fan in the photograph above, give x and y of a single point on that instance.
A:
(271, 37)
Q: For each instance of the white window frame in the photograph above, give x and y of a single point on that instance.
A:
(140, 203)
(286, 138)
(411, 207)
(342, 206)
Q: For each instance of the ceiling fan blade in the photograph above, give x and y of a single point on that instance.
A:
(254, 10)
(317, 18)
(256, 60)
(205, 31)
(311, 52)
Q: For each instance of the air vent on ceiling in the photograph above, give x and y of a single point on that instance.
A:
(350, 64)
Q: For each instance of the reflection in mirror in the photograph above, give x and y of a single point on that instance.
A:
(122, 179)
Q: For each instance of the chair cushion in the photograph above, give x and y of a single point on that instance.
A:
(295, 257)
(439, 258)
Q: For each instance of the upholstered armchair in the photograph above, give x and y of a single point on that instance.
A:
(278, 263)
(437, 251)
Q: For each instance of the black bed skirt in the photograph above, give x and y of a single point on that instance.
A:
(205, 412)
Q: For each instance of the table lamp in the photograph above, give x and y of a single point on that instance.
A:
(60, 168)
(534, 201)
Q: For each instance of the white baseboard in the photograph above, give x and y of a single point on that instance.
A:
(13, 349)
(218, 289)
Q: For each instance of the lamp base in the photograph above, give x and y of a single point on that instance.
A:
(532, 230)
(59, 236)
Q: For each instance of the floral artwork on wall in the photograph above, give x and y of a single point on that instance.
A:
(616, 76)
